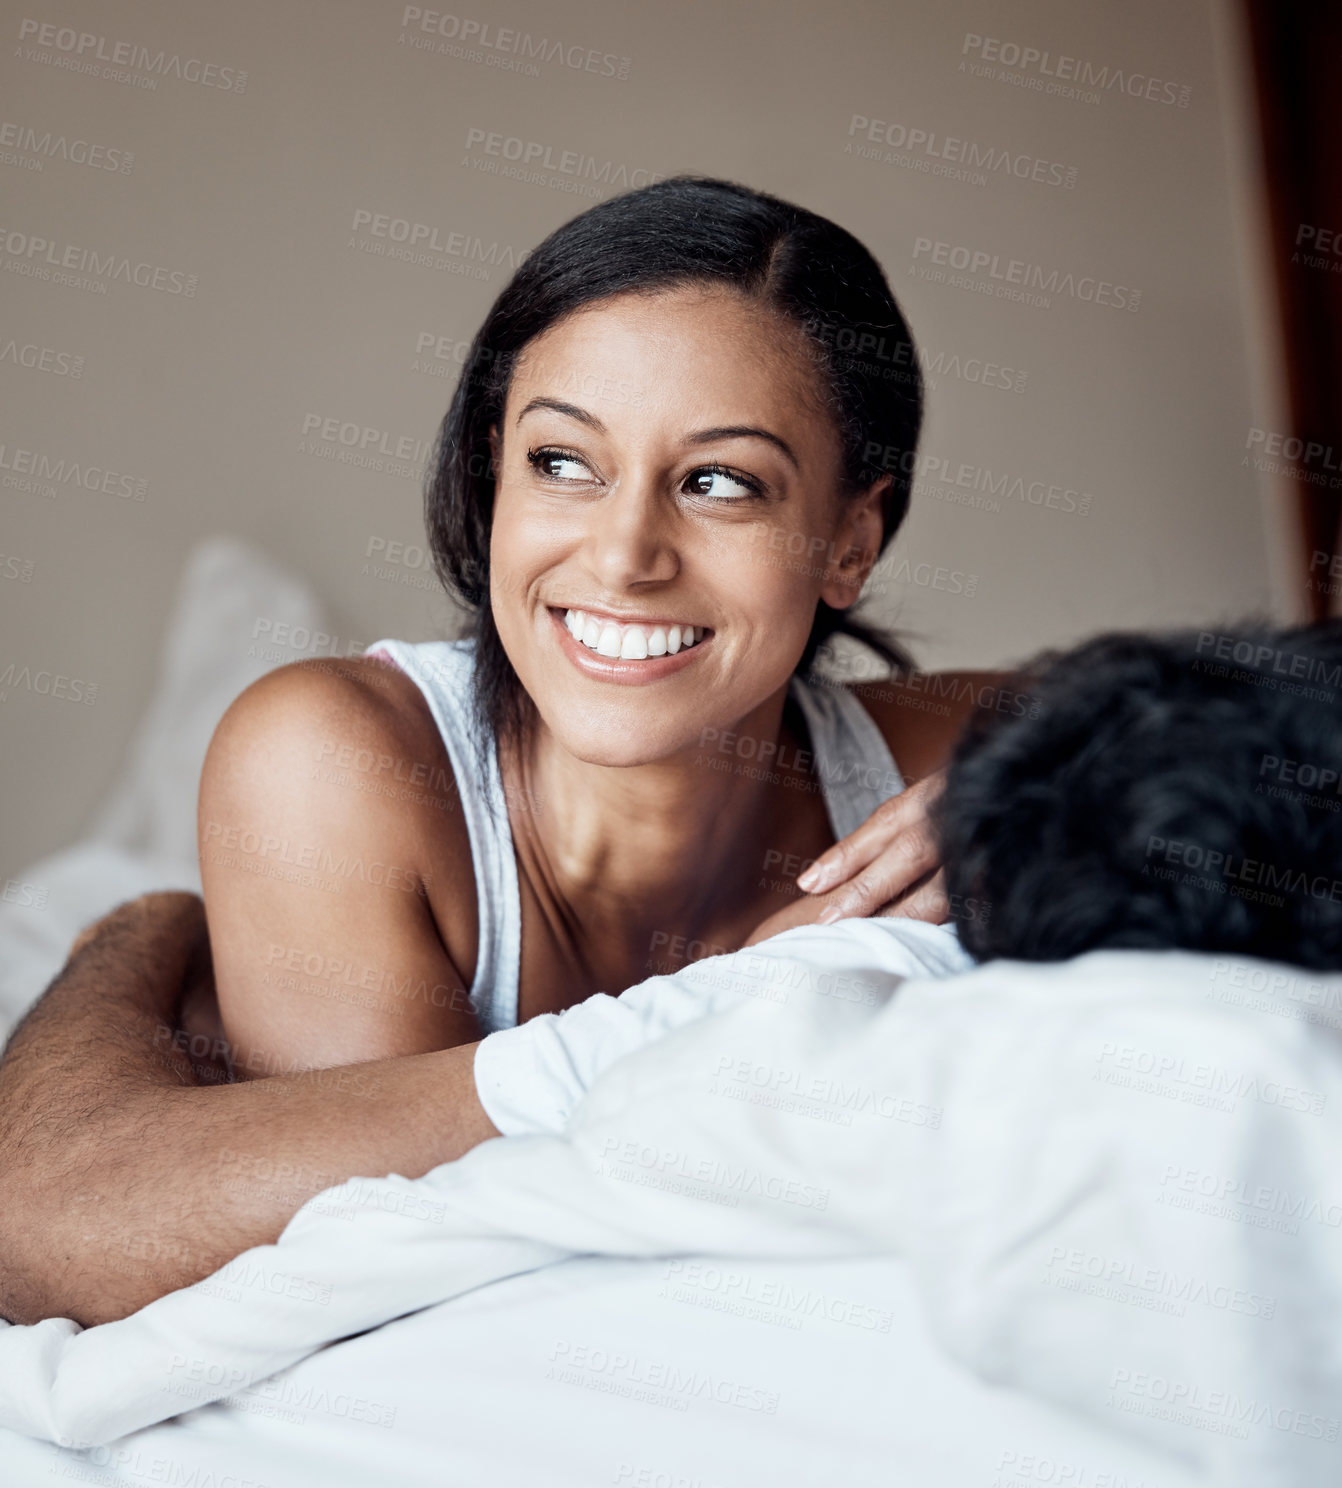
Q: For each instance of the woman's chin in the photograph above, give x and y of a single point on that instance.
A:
(618, 751)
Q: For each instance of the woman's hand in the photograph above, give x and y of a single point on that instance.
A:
(889, 866)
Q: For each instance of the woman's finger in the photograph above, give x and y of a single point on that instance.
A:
(910, 857)
(862, 846)
(926, 901)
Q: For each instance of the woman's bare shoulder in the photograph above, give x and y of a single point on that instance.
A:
(920, 715)
(344, 749)
(362, 696)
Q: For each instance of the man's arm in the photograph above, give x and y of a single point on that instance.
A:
(122, 1179)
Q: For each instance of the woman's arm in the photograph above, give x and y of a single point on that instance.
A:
(334, 857)
(121, 1180)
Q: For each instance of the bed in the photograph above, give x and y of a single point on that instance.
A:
(1111, 1259)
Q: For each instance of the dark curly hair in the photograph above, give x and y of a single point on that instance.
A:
(1173, 791)
(682, 231)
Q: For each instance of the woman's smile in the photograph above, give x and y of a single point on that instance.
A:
(629, 652)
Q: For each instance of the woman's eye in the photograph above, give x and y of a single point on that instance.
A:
(556, 465)
(720, 485)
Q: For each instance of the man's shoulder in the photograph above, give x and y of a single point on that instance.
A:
(920, 714)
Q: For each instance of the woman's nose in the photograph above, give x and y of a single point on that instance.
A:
(630, 536)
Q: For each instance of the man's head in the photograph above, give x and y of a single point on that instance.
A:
(1178, 791)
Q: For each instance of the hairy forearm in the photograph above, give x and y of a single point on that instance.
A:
(121, 1179)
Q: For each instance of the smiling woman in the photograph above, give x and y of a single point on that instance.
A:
(660, 488)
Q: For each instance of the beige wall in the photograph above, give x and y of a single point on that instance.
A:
(244, 196)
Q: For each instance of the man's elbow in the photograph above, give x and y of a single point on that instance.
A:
(27, 1266)
(64, 1286)
(58, 1260)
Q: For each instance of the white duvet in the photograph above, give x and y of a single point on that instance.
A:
(1114, 1185)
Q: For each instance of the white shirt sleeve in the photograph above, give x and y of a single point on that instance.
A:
(530, 1077)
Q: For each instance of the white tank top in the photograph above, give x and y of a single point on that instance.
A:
(849, 755)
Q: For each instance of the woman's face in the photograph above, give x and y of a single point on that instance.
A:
(667, 470)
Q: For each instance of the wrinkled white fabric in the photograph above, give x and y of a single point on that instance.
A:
(1116, 1182)
(529, 1077)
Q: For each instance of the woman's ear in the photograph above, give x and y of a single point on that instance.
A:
(856, 545)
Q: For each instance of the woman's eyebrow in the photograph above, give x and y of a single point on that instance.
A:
(743, 431)
(571, 410)
(701, 436)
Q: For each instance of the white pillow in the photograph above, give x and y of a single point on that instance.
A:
(144, 833)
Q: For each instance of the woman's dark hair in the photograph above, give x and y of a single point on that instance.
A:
(1165, 792)
(683, 231)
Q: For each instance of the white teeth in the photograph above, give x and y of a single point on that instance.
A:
(630, 642)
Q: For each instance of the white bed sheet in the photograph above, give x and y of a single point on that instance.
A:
(465, 1393)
